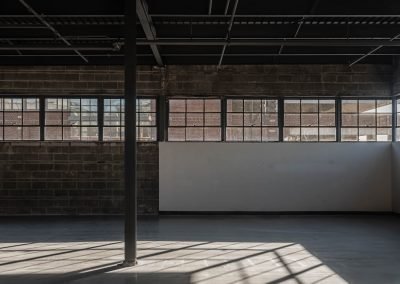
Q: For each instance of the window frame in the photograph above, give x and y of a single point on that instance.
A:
(22, 125)
(318, 126)
(243, 112)
(203, 112)
(358, 127)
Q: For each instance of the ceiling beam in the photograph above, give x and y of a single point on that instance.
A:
(51, 28)
(228, 34)
(210, 3)
(300, 24)
(270, 42)
(148, 28)
(372, 51)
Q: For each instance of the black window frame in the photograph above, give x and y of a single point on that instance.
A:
(358, 127)
(203, 112)
(22, 111)
(244, 126)
(318, 113)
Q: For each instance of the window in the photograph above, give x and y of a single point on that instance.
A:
(71, 119)
(114, 119)
(146, 120)
(252, 120)
(309, 120)
(194, 120)
(398, 121)
(366, 120)
(19, 119)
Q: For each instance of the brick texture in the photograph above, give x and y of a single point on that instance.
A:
(86, 178)
(73, 178)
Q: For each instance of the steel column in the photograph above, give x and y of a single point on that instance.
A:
(130, 135)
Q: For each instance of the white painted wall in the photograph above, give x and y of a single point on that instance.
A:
(396, 176)
(275, 176)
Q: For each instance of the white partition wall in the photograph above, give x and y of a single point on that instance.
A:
(266, 177)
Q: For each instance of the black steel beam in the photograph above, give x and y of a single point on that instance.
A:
(148, 28)
(130, 136)
(373, 51)
(51, 28)
(210, 3)
(271, 42)
(228, 34)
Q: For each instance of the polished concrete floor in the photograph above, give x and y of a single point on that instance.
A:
(203, 249)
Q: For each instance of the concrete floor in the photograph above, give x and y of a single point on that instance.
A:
(203, 249)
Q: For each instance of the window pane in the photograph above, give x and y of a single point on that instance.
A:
(71, 133)
(368, 106)
(349, 134)
(309, 106)
(326, 119)
(349, 119)
(327, 134)
(292, 119)
(291, 134)
(89, 133)
(234, 134)
(195, 119)
(177, 119)
(147, 119)
(177, 106)
(269, 106)
(234, 119)
(146, 133)
(235, 105)
(212, 105)
(112, 134)
(212, 134)
(12, 133)
(12, 118)
(53, 133)
(270, 134)
(252, 119)
(384, 120)
(252, 105)
(176, 134)
(327, 106)
(309, 119)
(367, 134)
(349, 106)
(31, 133)
(309, 134)
(384, 134)
(384, 106)
(252, 134)
(292, 105)
(71, 118)
(31, 118)
(212, 119)
(270, 119)
(367, 120)
(195, 105)
(194, 133)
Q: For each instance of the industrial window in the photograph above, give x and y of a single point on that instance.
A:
(366, 120)
(398, 120)
(114, 119)
(71, 119)
(309, 120)
(194, 120)
(19, 119)
(252, 120)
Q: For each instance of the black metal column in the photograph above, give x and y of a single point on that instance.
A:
(130, 134)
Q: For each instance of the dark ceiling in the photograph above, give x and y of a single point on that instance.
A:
(201, 31)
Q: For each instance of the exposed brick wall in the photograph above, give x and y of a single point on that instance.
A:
(83, 80)
(281, 80)
(86, 178)
(73, 178)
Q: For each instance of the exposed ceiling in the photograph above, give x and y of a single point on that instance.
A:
(201, 31)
